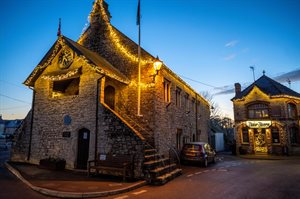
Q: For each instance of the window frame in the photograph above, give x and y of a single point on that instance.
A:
(242, 135)
(258, 110)
(273, 132)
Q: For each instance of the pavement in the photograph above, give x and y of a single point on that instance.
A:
(70, 184)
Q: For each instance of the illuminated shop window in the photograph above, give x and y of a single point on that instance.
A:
(275, 136)
(245, 135)
(65, 87)
(294, 134)
(259, 110)
(292, 110)
(167, 91)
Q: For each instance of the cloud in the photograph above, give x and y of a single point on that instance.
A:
(293, 76)
(231, 43)
(229, 89)
(230, 57)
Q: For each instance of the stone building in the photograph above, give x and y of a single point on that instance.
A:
(266, 118)
(85, 101)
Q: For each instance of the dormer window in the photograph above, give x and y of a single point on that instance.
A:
(292, 111)
(258, 111)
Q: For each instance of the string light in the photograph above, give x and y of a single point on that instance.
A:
(62, 76)
(59, 44)
(114, 35)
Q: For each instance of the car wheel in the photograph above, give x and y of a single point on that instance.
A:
(205, 163)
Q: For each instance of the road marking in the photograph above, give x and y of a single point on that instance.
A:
(139, 192)
(227, 166)
(222, 170)
(190, 175)
(122, 197)
(198, 173)
(205, 171)
(213, 169)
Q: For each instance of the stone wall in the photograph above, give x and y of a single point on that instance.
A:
(115, 137)
(158, 119)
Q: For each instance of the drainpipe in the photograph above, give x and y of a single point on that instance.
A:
(31, 123)
(96, 128)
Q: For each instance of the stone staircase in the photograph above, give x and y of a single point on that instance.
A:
(158, 169)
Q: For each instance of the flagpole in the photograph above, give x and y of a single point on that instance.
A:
(139, 58)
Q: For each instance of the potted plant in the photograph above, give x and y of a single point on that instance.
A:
(53, 163)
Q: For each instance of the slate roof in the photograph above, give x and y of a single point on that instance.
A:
(269, 87)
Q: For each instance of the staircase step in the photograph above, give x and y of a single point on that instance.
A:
(167, 177)
(154, 163)
(150, 151)
(162, 170)
(152, 157)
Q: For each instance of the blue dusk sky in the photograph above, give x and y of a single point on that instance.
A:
(211, 44)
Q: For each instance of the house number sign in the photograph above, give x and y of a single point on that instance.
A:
(258, 124)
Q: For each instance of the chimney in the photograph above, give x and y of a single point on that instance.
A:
(237, 88)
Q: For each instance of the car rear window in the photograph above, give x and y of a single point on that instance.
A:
(192, 147)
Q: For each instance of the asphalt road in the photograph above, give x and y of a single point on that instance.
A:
(229, 178)
(10, 186)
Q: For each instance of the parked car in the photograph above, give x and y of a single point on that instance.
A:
(200, 152)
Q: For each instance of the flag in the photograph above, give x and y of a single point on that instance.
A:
(59, 27)
(138, 16)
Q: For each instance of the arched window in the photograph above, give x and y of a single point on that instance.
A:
(292, 110)
(294, 135)
(258, 110)
(109, 96)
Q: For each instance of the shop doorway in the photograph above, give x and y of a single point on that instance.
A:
(260, 141)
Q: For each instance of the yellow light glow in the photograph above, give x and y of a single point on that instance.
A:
(115, 38)
(157, 64)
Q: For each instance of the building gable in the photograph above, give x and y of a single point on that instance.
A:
(63, 54)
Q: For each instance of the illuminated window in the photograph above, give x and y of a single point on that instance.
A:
(245, 135)
(178, 97)
(275, 136)
(65, 87)
(294, 134)
(258, 110)
(292, 110)
(167, 91)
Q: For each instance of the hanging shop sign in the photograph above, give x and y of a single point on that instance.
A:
(258, 124)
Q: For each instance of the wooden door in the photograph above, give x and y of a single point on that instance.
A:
(83, 148)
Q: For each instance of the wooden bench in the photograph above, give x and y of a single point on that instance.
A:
(116, 165)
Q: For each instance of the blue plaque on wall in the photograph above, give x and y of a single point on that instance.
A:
(67, 120)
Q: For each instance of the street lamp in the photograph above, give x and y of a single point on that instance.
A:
(157, 66)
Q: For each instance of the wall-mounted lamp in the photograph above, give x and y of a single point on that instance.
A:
(157, 64)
